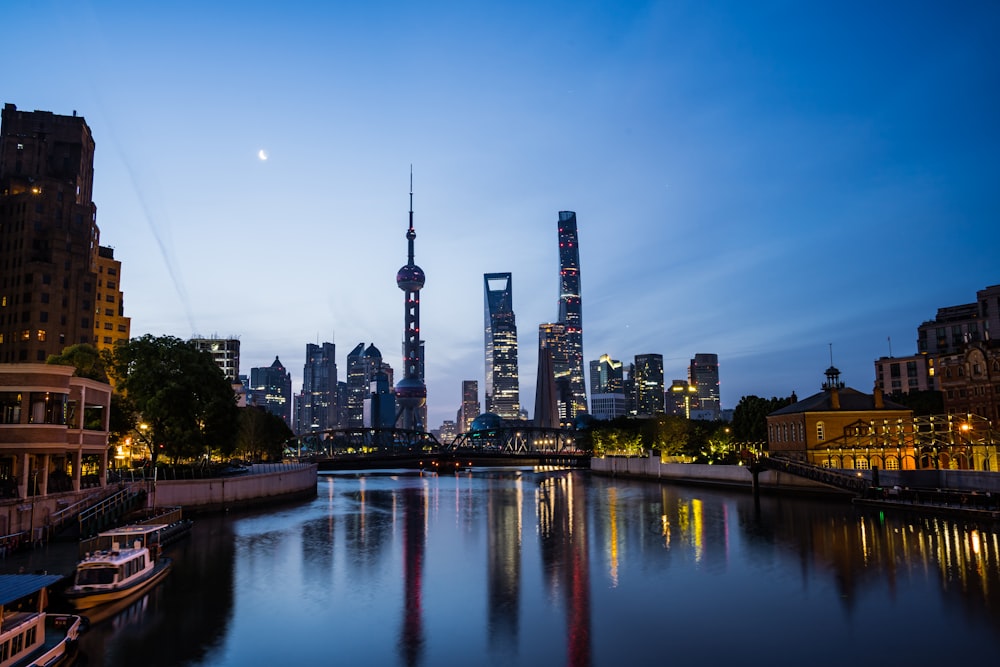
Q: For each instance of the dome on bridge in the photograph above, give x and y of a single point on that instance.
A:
(488, 421)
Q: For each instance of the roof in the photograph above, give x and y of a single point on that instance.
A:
(851, 400)
(13, 587)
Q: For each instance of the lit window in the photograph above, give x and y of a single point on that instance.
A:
(41, 335)
(819, 431)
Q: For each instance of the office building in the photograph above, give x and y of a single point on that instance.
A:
(680, 398)
(111, 327)
(470, 405)
(547, 403)
(571, 314)
(901, 375)
(954, 327)
(648, 382)
(703, 375)
(502, 389)
(553, 347)
(318, 404)
(48, 234)
(225, 353)
(270, 387)
(607, 388)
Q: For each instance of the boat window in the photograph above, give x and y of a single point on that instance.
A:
(15, 644)
(29, 637)
(89, 576)
(4, 651)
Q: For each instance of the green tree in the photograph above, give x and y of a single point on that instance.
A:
(750, 416)
(180, 396)
(87, 359)
(262, 435)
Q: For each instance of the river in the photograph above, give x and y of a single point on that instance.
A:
(521, 568)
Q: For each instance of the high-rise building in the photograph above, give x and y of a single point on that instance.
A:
(607, 388)
(380, 403)
(571, 312)
(271, 389)
(470, 405)
(502, 392)
(681, 397)
(648, 379)
(48, 234)
(553, 348)
(225, 353)
(318, 404)
(703, 374)
(111, 327)
(411, 392)
(955, 327)
(357, 387)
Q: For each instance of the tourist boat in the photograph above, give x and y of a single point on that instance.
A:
(30, 636)
(115, 570)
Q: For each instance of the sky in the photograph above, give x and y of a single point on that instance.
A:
(778, 183)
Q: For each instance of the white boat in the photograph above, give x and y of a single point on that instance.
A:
(126, 563)
(30, 636)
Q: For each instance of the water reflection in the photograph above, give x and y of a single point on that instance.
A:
(522, 568)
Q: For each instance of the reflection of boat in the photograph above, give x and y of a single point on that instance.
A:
(28, 634)
(115, 570)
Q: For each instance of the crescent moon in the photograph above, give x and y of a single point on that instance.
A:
(262, 154)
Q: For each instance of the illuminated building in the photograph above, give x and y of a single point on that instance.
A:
(819, 428)
(970, 381)
(48, 233)
(648, 381)
(111, 327)
(607, 388)
(411, 392)
(571, 315)
(225, 353)
(547, 405)
(703, 375)
(470, 405)
(502, 391)
(554, 382)
(681, 396)
(905, 374)
(318, 409)
(271, 389)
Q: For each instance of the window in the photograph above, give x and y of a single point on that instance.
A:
(820, 434)
(42, 335)
(10, 407)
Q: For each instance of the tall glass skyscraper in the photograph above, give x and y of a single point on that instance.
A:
(703, 374)
(648, 381)
(502, 393)
(571, 312)
(318, 400)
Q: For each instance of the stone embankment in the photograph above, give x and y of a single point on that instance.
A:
(261, 484)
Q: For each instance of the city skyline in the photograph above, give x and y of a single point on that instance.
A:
(753, 182)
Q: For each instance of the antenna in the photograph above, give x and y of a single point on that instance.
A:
(411, 196)
(889, 338)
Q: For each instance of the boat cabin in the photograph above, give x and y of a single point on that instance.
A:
(23, 598)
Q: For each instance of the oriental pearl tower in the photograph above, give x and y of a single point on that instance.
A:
(411, 393)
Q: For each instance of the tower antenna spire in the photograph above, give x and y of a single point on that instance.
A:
(411, 197)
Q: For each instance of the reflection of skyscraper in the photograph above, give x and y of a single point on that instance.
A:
(411, 392)
(414, 508)
(571, 311)
(703, 374)
(503, 523)
(502, 392)
(648, 381)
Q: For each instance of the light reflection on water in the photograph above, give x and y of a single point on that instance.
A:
(515, 567)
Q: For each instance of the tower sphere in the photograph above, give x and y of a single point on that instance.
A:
(410, 278)
(411, 392)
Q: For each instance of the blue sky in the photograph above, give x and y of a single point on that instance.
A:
(759, 180)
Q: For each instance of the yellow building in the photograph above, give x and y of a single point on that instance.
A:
(841, 427)
(111, 327)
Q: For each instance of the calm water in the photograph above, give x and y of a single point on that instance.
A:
(518, 567)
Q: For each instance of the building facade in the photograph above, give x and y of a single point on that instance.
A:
(680, 398)
(954, 327)
(502, 384)
(225, 353)
(318, 408)
(905, 374)
(648, 382)
(607, 388)
(970, 381)
(48, 234)
(470, 405)
(703, 375)
(111, 327)
(837, 426)
(271, 389)
(571, 316)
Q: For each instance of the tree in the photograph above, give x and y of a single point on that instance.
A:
(750, 417)
(179, 394)
(262, 435)
(87, 359)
